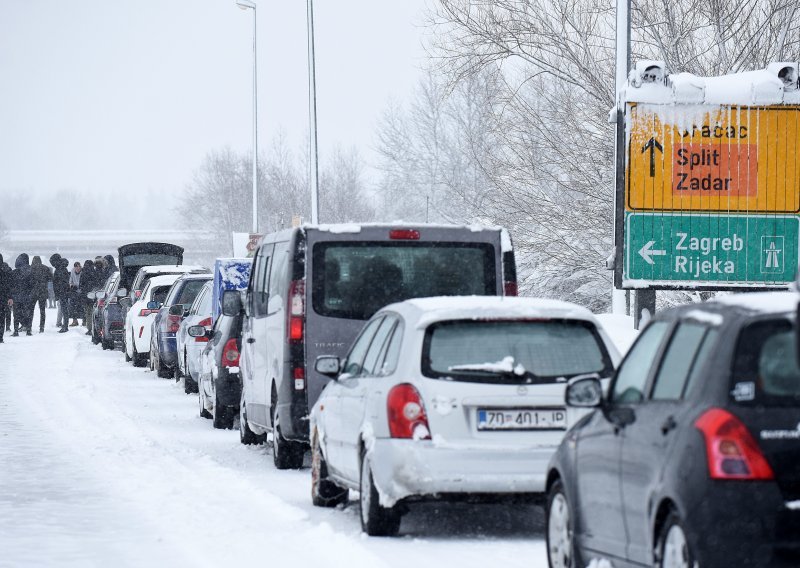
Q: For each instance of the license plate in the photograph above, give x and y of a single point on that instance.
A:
(522, 419)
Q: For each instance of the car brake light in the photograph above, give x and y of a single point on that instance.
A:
(510, 288)
(406, 413)
(137, 294)
(101, 303)
(297, 309)
(145, 312)
(206, 323)
(299, 378)
(404, 235)
(173, 323)
(731, 451)
(230, 354)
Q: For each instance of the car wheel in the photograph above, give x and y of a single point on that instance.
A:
(162, 371)
(286, 454)
(223, 415)
(376, 520)
(673, 549)
(324, 492)
(246, 435)
(561, 550)
(139, 359)
(107, 346)
(203, 412)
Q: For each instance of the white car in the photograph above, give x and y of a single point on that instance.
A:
(442, 397)
(189, 348)
(140, 315)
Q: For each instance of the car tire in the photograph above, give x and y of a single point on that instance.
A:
(246, 435)
(376, 520)
(107, 346)
(161, 371)
(673, 550)
(223, 415)
(203, 412)
(324, 492)
(559, 530)
(286, 454)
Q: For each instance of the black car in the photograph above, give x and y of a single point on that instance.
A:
(220, 385)
(101, 299)
(693, 458)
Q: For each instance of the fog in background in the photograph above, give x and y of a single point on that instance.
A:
(109, 109)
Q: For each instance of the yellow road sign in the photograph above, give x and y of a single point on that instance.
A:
(702, 158)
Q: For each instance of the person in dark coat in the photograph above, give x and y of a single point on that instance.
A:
(22, 295)
(75, 303)
(5, 294)
(111, 267)
(90, 282)
(42, 275)
(61, 290)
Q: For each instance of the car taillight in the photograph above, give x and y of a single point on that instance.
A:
(145, 312)
(296, 309)
(510, 288)
(173, 323)
(731, 451)
(299, 378)
(230, 354)
(206, 323)
(404, 235)
(406, 414)
(101, 303)
(137, 294)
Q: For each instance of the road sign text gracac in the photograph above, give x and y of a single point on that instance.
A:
(687, 158)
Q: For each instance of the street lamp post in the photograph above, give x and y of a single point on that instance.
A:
(312, 115)
(249, 5)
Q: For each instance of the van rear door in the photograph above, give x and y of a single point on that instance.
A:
(133, 256)
(356, 272)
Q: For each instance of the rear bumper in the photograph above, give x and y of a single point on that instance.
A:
(408, 468)
(746, 521)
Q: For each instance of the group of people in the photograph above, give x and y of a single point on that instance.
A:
(30, 283)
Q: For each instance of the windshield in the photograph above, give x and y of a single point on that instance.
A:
(357, 279)
(514, 351)
(765, 370)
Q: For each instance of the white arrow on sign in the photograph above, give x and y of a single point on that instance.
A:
(648, 253)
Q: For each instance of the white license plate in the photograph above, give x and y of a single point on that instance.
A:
(522, 419)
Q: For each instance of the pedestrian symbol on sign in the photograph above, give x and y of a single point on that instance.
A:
(771, 254)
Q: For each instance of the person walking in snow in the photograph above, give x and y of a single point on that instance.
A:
(61, 290)
(42, 276)
(22, 295)
(90, 282)
(75, 304)
(5, 295)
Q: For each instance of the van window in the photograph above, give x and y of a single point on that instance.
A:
(354, 280)
(280, 271)
(261, 289)
(516, 352)
(765, 370)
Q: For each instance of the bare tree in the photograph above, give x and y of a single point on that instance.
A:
(543, 147)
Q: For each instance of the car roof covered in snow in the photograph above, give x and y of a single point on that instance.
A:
(173, 268)
(746, 304)
(164, 280)
(421, 312)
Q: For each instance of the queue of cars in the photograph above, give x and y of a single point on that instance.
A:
(399, 357)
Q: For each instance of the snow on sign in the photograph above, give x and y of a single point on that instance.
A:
(712, 181)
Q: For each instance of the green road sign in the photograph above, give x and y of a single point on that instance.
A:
(714, 249)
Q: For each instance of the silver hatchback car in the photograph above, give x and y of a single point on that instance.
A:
(449, 397)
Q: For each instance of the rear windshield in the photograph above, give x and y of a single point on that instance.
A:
(187, 293)
(765, 370)
(518, 352)
(150, 259)
(357, 279)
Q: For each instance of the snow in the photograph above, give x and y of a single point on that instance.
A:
(107, 465)
(768, 302)
(705, 317)
(620, 329)
(759, 87)
(504, 366)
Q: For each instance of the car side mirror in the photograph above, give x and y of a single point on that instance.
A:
(231, 303)
(122, 292)
(327, 365)
(584, 391)
(196, 331)
(91, 295)
(176, 310)
(153, 305)
(126, 302)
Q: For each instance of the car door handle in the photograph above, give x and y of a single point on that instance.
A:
(669, 424)
(251, 340)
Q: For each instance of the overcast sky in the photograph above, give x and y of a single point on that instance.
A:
(122, 95)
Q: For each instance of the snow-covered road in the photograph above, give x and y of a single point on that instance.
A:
(102, 464)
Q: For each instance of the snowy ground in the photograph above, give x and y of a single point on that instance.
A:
(102, 464)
